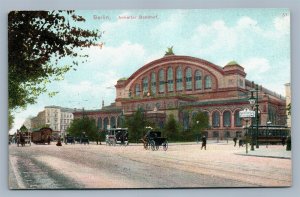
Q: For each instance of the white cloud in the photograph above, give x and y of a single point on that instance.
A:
(282, 24)
(256, 64)
(246, 22)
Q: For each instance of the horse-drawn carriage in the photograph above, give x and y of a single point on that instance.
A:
(153, 140)
(117, 136)
(23, 138)
(69, 139)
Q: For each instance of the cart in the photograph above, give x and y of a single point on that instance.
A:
(117, 136)
(23, 138)
(153, 140)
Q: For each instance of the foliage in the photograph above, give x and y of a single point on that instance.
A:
(86, 125)
(136, 125)
(36, 41)
(171, 129)
(289, 109)
(23, 128)
(169, 51)
(199, 123)
(11, 120)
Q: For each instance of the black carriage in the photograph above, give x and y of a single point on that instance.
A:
(117, 136)
(23, 138)
(153, 140)
(69, 139)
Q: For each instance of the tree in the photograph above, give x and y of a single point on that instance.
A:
(85, 126)
(136, 125)
(289, 109)
(172, 128)
(11, 120)
(36, 41)
(199, 123)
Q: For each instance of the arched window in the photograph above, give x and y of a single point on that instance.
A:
(198, 80)
(153, 83)
(186, 119)
(137, 90)
(112, 122)
(145, 85)
(227, 119)
(188, 79)
(99, 124)
(120, 121)
(216, 119)
(170, 80)
(161, 81)
(179, 79)
(237, 119)
(105, 122)
(208, 82)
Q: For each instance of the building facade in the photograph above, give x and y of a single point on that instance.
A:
(56, 117)
(183, 86)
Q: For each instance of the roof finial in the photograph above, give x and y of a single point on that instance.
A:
(169, 51)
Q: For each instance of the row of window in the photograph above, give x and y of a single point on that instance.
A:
(226, 119)
(182, 81)
(112, 121)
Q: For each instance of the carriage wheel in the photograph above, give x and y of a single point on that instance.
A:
(165, 145)
(152, 143)
(156, 147)
(146, 144)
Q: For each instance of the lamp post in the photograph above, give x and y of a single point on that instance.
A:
(226, 134)
(197, 129)
(254, 102)
(267, 132)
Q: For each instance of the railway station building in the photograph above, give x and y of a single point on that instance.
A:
(183, 86)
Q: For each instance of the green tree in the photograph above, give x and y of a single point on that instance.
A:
(84, 125)
(171, 129)
(289, 109)
(11, 119)
(199, 123)
(36, 41)
(136, 125)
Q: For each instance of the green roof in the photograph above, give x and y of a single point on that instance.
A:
(232, 63)
(123, 78)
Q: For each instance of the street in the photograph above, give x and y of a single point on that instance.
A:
(183, 165)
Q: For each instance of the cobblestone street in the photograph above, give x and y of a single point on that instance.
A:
(182, 165)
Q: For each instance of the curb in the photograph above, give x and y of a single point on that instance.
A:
(277, 157)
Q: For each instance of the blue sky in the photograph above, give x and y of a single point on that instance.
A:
(258, 39)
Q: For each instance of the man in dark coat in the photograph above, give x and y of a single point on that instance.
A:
(203, 142)
(234, 140)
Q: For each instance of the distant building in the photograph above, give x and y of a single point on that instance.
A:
(183, 86)
(288, 102)
(56, 117)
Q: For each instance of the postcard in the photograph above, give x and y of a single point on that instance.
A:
(127, 99)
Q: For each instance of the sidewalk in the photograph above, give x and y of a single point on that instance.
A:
(273, 151)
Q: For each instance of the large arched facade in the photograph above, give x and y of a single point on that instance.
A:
(181, 85)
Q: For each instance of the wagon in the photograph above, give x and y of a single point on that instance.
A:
(117, 136)
(23, 138)
(153, 140)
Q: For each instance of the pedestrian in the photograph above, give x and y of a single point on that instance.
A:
(234, 140)
(48, 139)
(59, 142)
(241, 143)
(283, 140)
(203, 142)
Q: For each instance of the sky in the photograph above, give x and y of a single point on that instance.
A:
(257, 39)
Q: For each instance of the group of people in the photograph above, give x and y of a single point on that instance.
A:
(204, 141)
(241, 142)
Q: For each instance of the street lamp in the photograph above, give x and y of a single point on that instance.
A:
(198, 134)
(254, 102)
(267, 132)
